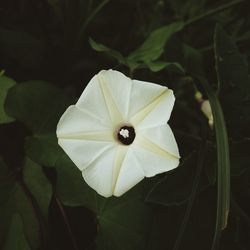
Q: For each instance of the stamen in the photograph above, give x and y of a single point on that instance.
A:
(126, 135)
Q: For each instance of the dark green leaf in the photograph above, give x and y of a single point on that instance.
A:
(166, 192)
(231, 66)
(37, 104)
(19, 202)
(5, 84)
(43, 149)
(112, 53)
(153, 46)
(38, 185)
(14, 199)
(170, 66)
(123, 222)
(16, 239)
(71, 188)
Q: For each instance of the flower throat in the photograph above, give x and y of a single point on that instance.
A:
(126, 135)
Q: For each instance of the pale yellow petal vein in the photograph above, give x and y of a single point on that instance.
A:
(154, 148)
(120, 156)
(91, 136)
(142, 113)
(115, 115)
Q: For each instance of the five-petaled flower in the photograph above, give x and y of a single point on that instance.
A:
(117, 132)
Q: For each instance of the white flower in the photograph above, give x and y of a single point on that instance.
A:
(117, 133)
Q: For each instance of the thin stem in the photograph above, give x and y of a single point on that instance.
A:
(66, 221)
(200, 164)
(90, 17)
(213, 12)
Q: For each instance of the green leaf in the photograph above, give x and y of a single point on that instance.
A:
(153, 46)
(19, 202)
(233, 82)
(16, 239)
(123, 223)
(231, 66)
(167, 193)
(223, 160)
(71, 188)
(112, 53)
(43, 149)
(38, 185)
(37, 104)
(15, 199)
(170, 66)
(5, 84)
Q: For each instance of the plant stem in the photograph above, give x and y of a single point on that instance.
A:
(90, 17)
(66, 221)
(213, 12)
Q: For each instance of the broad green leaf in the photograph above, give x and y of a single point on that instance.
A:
(43, 149)
(16, 239)
(5, 84)
(71, 188)
(14, 198)
(38, 185)
(19, 202)
(153, 47)
(166, 192)
(232, 67)
(37, 104)
(112, 53)
(123, 223)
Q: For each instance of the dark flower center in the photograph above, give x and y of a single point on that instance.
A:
(126, 135)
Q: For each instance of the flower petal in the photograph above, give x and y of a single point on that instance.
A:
(117, 87)
(99, 173)
(157, 112)
(92, 101)
(153, 159)
(143, 93)
(76, 122)
(163, 137)
(83, 152)
(130, 174)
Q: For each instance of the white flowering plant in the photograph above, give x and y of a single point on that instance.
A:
(136, 136)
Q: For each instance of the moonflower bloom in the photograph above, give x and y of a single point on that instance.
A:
(117, 132)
